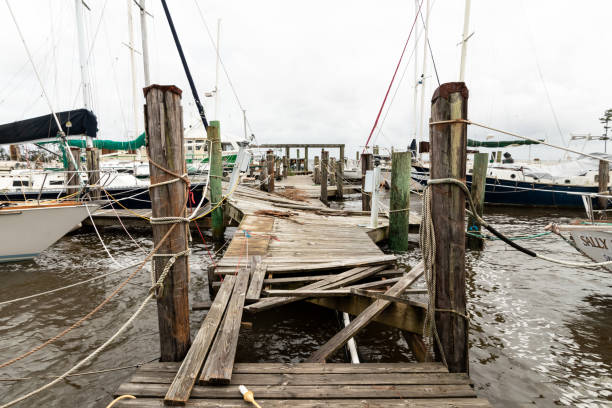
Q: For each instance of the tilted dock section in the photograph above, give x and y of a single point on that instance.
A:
(332, 259)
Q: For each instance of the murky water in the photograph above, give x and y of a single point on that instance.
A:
(541, 334)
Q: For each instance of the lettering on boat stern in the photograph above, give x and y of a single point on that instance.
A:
(594, 242)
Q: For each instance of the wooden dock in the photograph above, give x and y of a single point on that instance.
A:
(313, 385)
(286, 251)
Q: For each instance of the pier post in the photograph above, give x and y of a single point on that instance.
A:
(288, 153)
(213, 133)
(367, 163)
(357, 155)
(165, 147)
(477, 191)
(448, 160)
(14, 152)
(72, 178)
(399, 214)
(93, 171)
(317, 170)
(375, 150)
(270, 167)
(604, 179)
(332, 171)
(342, 153)
(324, 164)
(340, 180)
(285, 166)
(306, 159)
(277, 170)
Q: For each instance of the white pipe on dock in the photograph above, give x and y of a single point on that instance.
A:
(352, 346)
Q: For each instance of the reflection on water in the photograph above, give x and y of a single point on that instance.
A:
(540, 333)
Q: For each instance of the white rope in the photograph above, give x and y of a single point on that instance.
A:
(6, 302)
(86, 359)
(100, 237)
(158, 284)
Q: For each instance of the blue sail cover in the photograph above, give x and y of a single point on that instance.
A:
(74, 122)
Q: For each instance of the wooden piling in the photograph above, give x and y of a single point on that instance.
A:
(324, 164)
(376, 150)
(448, 160)
(479, 180)
(93, 171)
(340, 180)
(341, 156)
(604, 179)
(165, 147)
(277, 170)
(332, 171)
(270, 167)
(399, 215)
(357, 155)
(72, 177)
(306, 158)
(285, 166)
(367, 163)
(14, 152)
(216, 173)
(317, 170)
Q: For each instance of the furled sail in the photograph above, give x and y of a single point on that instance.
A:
(74, 122)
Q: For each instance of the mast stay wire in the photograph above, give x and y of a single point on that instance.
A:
(393, 77)
(229, 80)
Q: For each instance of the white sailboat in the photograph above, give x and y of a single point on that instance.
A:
(27, 230)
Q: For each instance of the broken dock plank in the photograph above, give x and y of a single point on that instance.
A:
(364, 318)
(257, 278)
(185, 379)
(308, 403)
(218, 365)
(344, 278)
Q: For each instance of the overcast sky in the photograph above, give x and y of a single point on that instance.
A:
(317, 71)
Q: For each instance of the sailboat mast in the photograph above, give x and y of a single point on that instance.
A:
(85, 82)
(145, 43)
(132, 66)
(217, 71)
(466, 28)
(424, 74)
(416, 73)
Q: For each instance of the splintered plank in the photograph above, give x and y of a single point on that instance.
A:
(180, 389)
(256, 284)
(218, 366)
(364, 318)
(363, 261)
(333, 282)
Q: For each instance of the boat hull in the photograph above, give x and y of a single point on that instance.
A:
(597, 245)
(520, 193)
(27, 231)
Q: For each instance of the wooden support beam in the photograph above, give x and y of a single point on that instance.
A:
(327, 266)
(213, 133)
(332, 171)
(324, 175)
(604, 180)
(317, 170)
(270, 167)
(367, 163)
(285, 167)
(72, 177)
(306, 158)
(477, 191)
(336, 281)
(256, 284)
(185, 379)
(219, 364)
(92, 156)
(399, 214)
(364, 318)
(340, 180)
(448, 160)
(166, 148)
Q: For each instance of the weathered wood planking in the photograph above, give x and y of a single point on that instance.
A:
(318, 403)
(185, 379)
(220, 361)
(256, 283)
(364, 318)
(259, 229)
(345, 278)
(313, 368)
